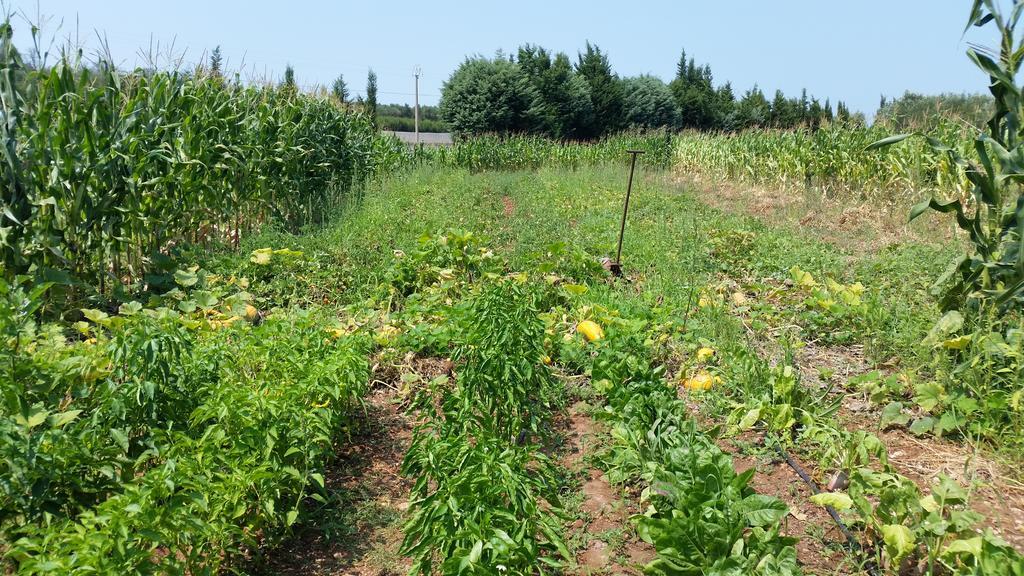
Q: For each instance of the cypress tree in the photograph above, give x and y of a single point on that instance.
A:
(693, 89)
(814, 114)
(842, 113)
(340, 89)
(606, 94)
(288, 84)
(371, 95)
(216, 60)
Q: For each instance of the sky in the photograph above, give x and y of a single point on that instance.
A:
(847, 50)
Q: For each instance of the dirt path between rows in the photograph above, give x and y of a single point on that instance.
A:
(995, 493)
(358, 532)
(822, 548)
(610, 545)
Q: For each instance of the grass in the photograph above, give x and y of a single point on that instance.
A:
(758, 295)
(677, 250)
(672, 244)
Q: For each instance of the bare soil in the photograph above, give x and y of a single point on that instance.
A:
(508, 206)
(359, 531)
(822, 548)
(995, 491)
(612, 546)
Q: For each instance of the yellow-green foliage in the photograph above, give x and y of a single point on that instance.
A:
(832, 160)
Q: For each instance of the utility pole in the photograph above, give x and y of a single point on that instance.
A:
(416, 113)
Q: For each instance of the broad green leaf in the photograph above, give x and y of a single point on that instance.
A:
(892, 415)
(969, 546)
(129, 308)
(96, 316)
(63, 418)
(205, 299)
(474, 554)
(837, 500)
(261, 257)
(36, 416)
(929, 504)
(923, 426)
(576, 289)
(888, 141)
(749, 419)
(120, 438)
(950, 323)
(186, 278)
(762, 510)
(899, 541)
(930, 395)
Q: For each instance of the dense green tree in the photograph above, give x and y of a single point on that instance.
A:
(815, 114)
(485, 95)
(694, 92)
(788, 112)
(339, 89)
(561, 106)
(753, 109)
(842, 113)
(216, 63)
(779, 113)
(726, 117)
(540, 92)
(605, 91)
(289, 78)
(371, 95)
(648, 103)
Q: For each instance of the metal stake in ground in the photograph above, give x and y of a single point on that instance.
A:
(616, 266)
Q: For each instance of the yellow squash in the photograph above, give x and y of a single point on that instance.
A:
(700, 381)
(590, 330)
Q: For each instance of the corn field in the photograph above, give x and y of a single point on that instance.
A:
(102, 170)
(530, 152)
(832, 160)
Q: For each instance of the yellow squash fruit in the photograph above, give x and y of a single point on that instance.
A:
(704, 354)
(251, 313)
(700, 381)
(590, 330)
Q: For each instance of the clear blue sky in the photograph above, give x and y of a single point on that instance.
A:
(849, 50)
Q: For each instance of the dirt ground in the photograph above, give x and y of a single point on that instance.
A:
(612, 546)
(358, 532)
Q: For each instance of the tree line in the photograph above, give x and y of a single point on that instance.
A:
(537, 92)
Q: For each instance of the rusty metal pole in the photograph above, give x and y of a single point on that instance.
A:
(616, 266)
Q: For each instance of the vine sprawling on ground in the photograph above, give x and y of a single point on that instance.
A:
(208, 288)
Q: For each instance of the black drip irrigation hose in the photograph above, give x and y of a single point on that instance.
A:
(850, 538)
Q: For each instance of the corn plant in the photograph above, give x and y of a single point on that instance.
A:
(105, 171)
(532, 152)
(830, 161)
(993, 213)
